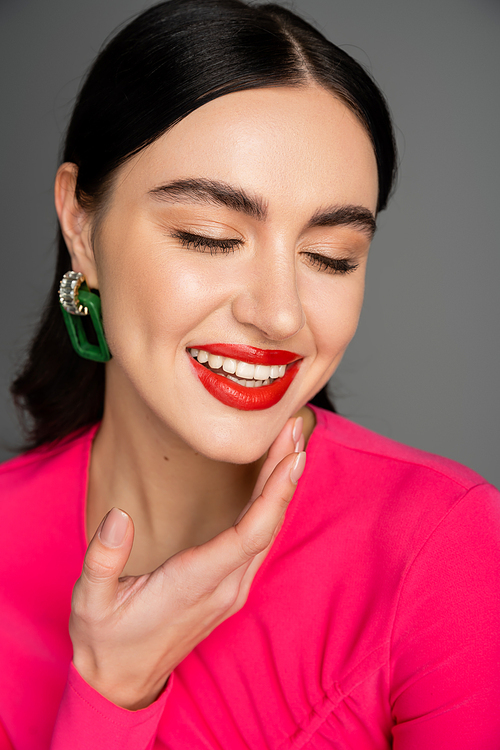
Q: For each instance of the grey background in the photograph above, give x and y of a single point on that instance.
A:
(424, 367)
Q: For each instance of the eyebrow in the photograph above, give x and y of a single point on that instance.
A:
(357, 217)
(213, 192)
(217, 193)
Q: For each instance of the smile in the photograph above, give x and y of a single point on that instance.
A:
(244, 377)
(243, 373)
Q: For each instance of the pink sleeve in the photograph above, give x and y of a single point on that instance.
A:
(88, 720)
(5, 743)
(446, 635)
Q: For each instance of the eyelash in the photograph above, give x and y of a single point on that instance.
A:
(332, 265)
(214, 246)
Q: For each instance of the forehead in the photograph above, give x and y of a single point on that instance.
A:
(295, 147)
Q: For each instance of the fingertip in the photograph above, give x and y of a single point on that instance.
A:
(297, 431)
(299, 445)
(298, 467)
(113, 528)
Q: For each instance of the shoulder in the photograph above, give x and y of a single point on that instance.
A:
(44, 491)
(42, 506)
(362, 445)
(390, 492)
(45, 468)
(337, 438)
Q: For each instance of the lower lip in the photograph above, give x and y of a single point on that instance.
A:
(240, 397)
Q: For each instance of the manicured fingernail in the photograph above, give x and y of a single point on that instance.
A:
(114, 528)
(299, 445)
(298, 467)
(297, 432)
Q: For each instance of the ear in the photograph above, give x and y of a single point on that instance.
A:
(75, 224)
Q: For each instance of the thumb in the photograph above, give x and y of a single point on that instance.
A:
(107, 555)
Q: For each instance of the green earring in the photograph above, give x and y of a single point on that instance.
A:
(77, 300)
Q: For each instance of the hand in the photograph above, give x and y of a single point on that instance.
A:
(129, 633)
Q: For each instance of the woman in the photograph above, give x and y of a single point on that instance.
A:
(222, 174)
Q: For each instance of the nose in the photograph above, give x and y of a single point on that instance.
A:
(268, 298)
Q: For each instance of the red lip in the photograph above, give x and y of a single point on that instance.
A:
(240, 397)
(250, 354)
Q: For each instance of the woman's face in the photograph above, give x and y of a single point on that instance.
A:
(246, 225)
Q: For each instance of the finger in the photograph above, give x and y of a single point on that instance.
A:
(106, 558)
(285, 443)
(248, 572)
(258, 527)
(300, 445)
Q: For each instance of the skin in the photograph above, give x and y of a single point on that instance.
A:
(181, 464)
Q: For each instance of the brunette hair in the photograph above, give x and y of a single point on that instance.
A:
(167, 62)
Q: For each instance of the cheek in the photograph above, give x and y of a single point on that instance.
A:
(333, 316)
(151, 298)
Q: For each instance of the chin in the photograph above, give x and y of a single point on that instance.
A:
(236, 446)
(228, 435)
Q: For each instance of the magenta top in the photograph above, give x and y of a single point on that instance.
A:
(373, 623)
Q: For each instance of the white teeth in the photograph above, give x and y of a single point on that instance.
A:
(244, 373)
(245, 370)
(246, 383)
(262, 372)
(229, 365)
(215, 361)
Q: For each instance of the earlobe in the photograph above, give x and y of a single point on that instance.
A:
(75, 223)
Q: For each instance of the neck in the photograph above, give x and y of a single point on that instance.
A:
(176, 497)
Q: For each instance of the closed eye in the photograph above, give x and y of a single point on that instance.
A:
(214, 246)
(207, 244)
(331, 265)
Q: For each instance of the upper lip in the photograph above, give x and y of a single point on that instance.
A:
(250, 354)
